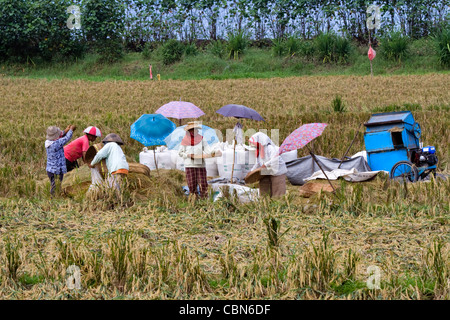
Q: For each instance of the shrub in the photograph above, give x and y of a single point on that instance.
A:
(237, 43)
(332, 48)
(110, 50)
(216, 48)
(172, 51)
(191, 50)
(278, 48)
(442, 46)
(292, 45)
(394, 46)
(307, 48)
(147, 50)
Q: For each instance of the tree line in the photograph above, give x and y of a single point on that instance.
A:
(39, 27)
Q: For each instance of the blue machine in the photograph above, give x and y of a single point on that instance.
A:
(392, 144)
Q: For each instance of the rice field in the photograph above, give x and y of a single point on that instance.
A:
(374, 240)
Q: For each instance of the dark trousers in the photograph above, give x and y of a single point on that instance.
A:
(51, 176)
(194, 177)
(273, 186)
(71, 165)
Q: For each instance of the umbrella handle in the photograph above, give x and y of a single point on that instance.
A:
(154, 157)
(234, 156)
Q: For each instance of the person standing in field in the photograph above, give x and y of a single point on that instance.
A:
(116, 161)
(54, 146)
(78, 147)
(193, 149)
(273, 182)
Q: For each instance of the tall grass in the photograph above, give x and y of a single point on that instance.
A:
(442, 45)
(237, 43)
(395, 46)
(331, 48)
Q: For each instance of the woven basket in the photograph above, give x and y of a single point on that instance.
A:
(253, 176)
(90, 155)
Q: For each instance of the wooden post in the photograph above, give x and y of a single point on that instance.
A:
(154, 157)
(371, 68)
(234, 156)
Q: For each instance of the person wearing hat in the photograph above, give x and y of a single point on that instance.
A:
(78, 147)
(116, 161)
(193, 149)
(54, 146)
(273, 182)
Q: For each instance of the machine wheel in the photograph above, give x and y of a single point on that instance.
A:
(404, 170)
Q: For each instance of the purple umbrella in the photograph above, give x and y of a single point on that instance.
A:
(239, 111)
(301, 137)
(180, 110)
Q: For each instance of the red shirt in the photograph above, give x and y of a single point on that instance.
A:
(75, 149)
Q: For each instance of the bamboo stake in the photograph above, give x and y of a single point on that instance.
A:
(371, 68)
(316, 161)
(351, 144)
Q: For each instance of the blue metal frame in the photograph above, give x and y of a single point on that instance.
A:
(392, 137)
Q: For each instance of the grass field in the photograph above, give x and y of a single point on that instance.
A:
(156, 244)
(255, 63)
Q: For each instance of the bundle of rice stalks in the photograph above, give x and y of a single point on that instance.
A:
(312, 188)
(167, 182)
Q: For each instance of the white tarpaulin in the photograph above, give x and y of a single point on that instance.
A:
(244, 194)
(350, 175)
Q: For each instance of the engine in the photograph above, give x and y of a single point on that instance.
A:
(425, 156)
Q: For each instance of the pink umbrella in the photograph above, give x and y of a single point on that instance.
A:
(301, 137)
(180, 110)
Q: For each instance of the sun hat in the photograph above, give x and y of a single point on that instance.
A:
(193, 125)
(53, 133)
(113, 137)
(93, 131)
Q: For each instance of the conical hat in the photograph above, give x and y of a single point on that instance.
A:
(113, 137)
(193, 125)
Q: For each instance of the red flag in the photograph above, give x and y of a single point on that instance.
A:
(372, 53)
(151, 75)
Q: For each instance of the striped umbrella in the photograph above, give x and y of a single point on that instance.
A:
(180, 110)
(94, 131)
(302, 136)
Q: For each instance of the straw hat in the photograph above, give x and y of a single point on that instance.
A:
(113, 137)
(53, 133)
(193, 125)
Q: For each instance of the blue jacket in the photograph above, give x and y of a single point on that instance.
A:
(56, 161)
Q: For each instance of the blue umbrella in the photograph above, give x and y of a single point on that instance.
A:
(173, 141)
(239, 111)
(152, 129)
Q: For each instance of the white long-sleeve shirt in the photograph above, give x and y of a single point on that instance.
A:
(274, 163)
(115, 158)
(198, 149)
